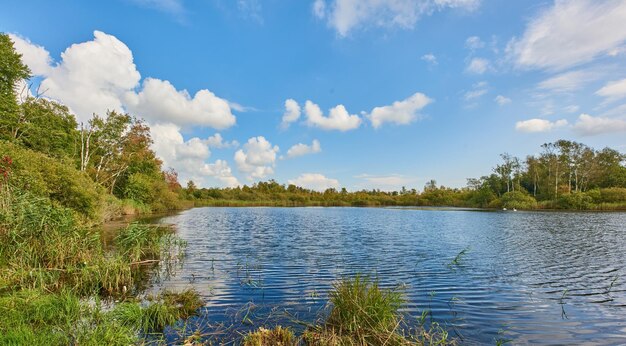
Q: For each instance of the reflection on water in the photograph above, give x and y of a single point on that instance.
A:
(530, 277)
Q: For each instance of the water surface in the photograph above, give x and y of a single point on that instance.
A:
(530, 277)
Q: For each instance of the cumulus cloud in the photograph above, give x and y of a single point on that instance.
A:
(347, 15)
(217, 141)
(302, 149)
(539, 125)
(36, 57)
(292, 112)
(338, 118)
(588, 125)
(189, 158)
(478, 66)
(314, 181)
(474, 42)
(570, 33)
(257, 158)
(159, 101)
(400, 112)
(502, 100)
(430, 58)
(100, 75)
(93, 76)
(613, 90)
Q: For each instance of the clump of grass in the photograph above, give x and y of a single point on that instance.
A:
(168, 307)
(360, 303)
(363, 313)
(278, 336)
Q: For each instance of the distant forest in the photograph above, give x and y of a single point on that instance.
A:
(566, 175)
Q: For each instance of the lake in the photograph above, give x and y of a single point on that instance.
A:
(529, 277)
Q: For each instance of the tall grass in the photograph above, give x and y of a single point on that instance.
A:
(52, 264)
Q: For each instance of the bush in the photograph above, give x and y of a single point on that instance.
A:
(152, 191)
(576, 200)
(518, 200)
(613, 195)
(56, 179)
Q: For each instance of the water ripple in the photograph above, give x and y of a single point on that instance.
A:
(531, 277)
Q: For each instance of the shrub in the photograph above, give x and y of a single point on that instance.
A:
(575, 200)
(518, 200)
(56, 179)
(613, 195)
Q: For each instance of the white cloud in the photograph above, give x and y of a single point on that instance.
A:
(570, 33)
(189, 158)
(216, 141)
(588, 125)
(430, 58)
(347, 15)
(315, 181)
(571, 109)
(400, 112)
(474, 42)
(570, 81)
(159, 101)
(502, 100)
(93, 76)
(539, 125)
(338, 118)
(613, 90)
(36, 57)
(478, 89)
(301, 149)
(319, 8)
(292, 112)
(478, 66)
(257, 158)
(100, 75)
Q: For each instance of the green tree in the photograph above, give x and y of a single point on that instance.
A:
(12, 71)
(48, 127)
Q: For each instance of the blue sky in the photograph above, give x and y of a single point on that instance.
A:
(419, 89)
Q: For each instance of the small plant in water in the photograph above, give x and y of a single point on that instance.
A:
(459, 257)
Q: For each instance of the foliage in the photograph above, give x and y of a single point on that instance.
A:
(54, 178)
(12, 71)
(518, 200)
(47, 127)
(576, 200)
